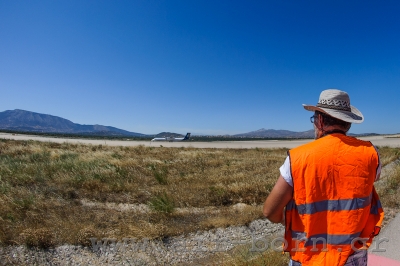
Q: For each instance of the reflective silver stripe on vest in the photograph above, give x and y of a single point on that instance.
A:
(375, 208)
(320, 238)
(330, 205)
(291, 205)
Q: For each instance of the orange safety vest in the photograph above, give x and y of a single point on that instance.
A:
(334, 200)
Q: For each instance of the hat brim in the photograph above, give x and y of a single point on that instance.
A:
(355, 116)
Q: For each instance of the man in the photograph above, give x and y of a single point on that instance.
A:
(325, 195)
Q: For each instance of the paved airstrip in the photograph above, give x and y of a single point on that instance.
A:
(388, 140)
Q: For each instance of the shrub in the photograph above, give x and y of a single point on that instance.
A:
(162, 203)
(160, 174)
(84, 235)
(39, 238)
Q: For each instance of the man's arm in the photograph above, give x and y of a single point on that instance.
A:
(379, 169)
(280, 195)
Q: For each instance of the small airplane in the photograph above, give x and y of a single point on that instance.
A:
(172, 139)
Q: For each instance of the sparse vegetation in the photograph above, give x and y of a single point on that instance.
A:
(388, 155)
(52, 194)
(243, 257)
(67, 189)
(392, 190)
(162, 203)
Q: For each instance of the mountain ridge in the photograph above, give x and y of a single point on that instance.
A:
(21, 120)
(273, 133)
(26, 121)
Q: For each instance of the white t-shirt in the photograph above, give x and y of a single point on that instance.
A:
(287, 175)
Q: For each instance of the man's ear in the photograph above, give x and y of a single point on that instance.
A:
(320, 121)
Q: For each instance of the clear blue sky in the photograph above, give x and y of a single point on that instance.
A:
(206, 67)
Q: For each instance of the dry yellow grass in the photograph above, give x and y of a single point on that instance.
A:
(245, 255)
(388, 154)
(389, 192)
(267, 258)
(43, 188)
(43, 185)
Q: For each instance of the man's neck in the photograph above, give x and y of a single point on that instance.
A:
(330, 130)
(340, 131)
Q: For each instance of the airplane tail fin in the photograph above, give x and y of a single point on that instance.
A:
(187, 136)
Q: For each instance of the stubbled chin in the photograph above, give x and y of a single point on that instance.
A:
(315, 132)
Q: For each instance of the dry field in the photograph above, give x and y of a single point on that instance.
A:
(58, 193)
(53, 193)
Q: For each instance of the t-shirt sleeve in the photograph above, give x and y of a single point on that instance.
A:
(285, 171)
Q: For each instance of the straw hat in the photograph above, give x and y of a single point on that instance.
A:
(336, 103)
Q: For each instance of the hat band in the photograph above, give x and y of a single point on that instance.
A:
(336, 107)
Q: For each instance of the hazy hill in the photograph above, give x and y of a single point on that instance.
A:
(272, 133)
(20, 120)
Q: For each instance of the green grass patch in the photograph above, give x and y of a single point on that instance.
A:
(162, 203)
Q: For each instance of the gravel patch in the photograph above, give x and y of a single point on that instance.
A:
(184, 249)
(143, 208)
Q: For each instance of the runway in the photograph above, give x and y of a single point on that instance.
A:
(383, 140)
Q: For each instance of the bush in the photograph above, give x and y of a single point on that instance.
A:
(162, 203)
(39, 238)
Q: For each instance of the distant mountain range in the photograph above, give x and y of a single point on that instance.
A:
(20, 120)
(272, 133)
(26, 121)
